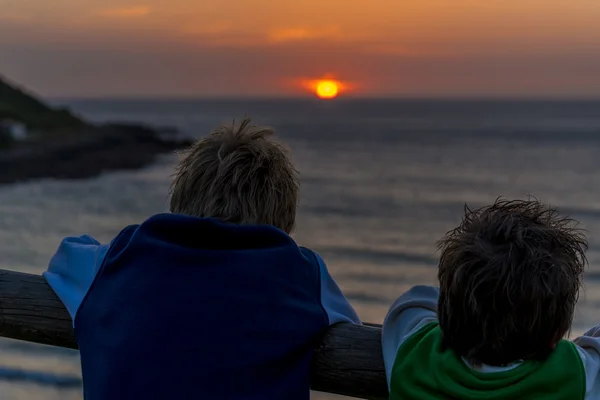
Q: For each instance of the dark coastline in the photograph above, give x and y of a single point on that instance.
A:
(87, 153)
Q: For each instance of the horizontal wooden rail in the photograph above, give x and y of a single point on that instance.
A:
(347, 361)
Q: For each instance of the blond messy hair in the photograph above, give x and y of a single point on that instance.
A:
(238, 175)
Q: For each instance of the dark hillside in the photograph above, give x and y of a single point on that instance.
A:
(17, 104)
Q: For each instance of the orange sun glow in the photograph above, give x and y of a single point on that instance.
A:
(327, 89)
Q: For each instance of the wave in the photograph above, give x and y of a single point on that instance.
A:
(21, 347)
(384, 208)
(396, 279)
(381, 207)
(40, 378)
(378, 255)
(579, 212)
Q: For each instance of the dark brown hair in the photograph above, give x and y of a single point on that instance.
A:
(237, 175)
(509, 280)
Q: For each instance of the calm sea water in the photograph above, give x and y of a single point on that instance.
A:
(382, 180)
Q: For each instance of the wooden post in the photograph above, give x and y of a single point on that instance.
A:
(347, 361)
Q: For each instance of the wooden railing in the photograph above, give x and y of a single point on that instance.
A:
(347, 361)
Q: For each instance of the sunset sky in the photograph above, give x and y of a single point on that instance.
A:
(259, 47)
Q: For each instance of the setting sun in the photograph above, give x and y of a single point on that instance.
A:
(327, 89)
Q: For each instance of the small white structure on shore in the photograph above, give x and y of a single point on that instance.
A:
(17, 130)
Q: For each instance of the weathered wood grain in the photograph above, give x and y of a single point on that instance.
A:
(347, 361)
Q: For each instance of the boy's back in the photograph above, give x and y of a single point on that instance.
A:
(189, 306)
(509, 281)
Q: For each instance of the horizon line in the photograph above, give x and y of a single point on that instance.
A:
(341, 98)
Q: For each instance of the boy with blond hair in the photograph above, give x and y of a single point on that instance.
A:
(212, 301)
(509, 280)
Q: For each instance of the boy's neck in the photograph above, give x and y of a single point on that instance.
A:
(479, 366)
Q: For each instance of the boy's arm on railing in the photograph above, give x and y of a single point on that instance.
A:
(588, 346)
(408, 314)
(347, 361)
(73, 268)
(334, 302)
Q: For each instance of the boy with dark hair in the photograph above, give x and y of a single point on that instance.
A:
(211, 301)
(509, 279)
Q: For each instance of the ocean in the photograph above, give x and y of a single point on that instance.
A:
(382, 181)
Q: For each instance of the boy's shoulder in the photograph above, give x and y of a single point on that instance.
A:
(312, 256)
(333, 301)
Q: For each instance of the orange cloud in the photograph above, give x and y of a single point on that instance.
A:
(406, 51)
(125, 12)
(219, 34)
(298, 34)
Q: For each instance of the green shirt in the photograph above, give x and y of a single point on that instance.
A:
(423, 370)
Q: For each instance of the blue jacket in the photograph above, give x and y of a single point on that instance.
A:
(181, 307)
